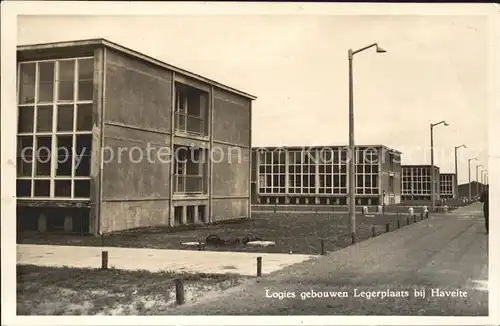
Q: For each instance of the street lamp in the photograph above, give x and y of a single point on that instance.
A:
(456, 168)
(471, 159)
(433, 177)
(477, 178)
(352, 203)
(483, 183)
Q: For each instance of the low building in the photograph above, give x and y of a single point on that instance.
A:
(416, 184)
(474, 190)
(318, 175)
(447, 184)
(104, 107)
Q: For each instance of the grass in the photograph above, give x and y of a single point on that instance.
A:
(76, 291)
(299, 233)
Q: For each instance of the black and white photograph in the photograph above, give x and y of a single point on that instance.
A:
(291, 160)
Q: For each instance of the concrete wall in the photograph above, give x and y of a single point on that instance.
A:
(385, 155)
(137, 112)
(95, 157)
(231, 154)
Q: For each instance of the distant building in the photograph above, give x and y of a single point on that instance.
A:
(318, 175)
(416, 183)
(85, 96)
(447, 185)
(475, 189)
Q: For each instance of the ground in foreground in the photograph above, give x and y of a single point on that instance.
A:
(74, 291)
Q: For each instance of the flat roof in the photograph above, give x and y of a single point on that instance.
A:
(136, 54)
(297, 147)
(417, 166)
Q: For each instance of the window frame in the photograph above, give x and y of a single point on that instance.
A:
(54, 133)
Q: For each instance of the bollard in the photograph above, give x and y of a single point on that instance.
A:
(387, 227)
(275, 208)
(323, 247)
(200, 245)
(414, 218)
(259, 266)
(374, 232)
(399, 224)
(104, 260)
(179, 291)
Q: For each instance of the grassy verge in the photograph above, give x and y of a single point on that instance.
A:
(76, 291)
(299, 233)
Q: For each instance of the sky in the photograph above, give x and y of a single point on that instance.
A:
(435, 68)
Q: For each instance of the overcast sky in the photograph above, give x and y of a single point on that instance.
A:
(436, 68)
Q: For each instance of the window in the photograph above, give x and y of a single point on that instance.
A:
(273, 179)
(54, 142)
(366, 171)
(331, 169)
(446, 185)
(191, 110)
(302, 170)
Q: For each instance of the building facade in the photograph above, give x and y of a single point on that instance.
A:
(416, 183)
(120, 140)
(447, 185)
(319, 175)
(473, 190)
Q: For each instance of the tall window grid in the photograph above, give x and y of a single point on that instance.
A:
(54, 139)
(332, 171)
(406, 181)
(302, 172)
(272, 172)
(446, 184)
(416, 181)
(367, 172)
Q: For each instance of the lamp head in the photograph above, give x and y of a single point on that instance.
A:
(446, 124)
(380, 50)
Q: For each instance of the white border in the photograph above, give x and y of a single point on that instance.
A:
(8, 149)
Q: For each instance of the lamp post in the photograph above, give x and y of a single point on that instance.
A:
(477, 178)
(352, 203)
(456, 169)
(470, 186)
(433, 176)
(483, 183)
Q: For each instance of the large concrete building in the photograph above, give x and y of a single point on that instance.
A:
(318, 175)
(416, 183)
(105, 107)
(447, 185)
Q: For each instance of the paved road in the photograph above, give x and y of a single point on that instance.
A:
(446, 252)
(216, 262)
